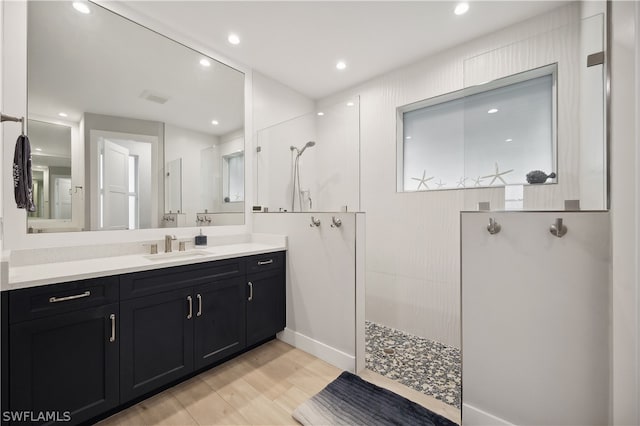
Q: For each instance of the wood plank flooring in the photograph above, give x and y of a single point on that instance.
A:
(260, 387)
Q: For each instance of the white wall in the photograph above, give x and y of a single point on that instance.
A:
(329, 171)
(274, 103)
(625, 213)
(321, 283)
(413, 239)
(535, 311)
(275, 162)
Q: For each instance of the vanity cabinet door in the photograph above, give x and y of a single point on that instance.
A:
(156, 347)
(265, 302)
(219, 321)
(66, 364)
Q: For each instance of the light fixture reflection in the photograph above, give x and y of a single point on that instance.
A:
(214, 122)
(461, 8)
(492, 111)
(81, 7)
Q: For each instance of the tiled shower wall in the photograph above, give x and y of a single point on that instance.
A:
(413, 239)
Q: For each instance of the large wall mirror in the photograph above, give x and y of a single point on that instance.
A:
(128, 129)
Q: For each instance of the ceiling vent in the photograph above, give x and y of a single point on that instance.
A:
(153, 97)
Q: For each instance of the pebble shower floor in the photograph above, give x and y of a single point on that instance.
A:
(421, 364)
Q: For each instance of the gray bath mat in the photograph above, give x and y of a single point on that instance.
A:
(349, 400)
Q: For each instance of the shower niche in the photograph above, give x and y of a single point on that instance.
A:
(311, 162)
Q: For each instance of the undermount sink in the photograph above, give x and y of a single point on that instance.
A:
(177, 255)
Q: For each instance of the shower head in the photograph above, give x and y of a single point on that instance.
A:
(307, 145)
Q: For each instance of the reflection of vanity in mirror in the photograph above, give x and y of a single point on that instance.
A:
(129, 129)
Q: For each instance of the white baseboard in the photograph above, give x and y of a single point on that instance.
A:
(472, 416)
(318, 349)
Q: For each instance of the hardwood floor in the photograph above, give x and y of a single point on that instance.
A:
(260, 387)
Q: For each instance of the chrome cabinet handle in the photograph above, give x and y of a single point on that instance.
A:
(190, 300)
(250, 291)
(112, 317)
(265, 262)
(199, 304)
(64, 299)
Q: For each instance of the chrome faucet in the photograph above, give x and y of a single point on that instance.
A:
(167, 242)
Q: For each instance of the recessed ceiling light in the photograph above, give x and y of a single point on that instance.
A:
(214, 122)
(461, 8)
(62, 114)
(205, 62)
(321, 113)
(81, 7)
(508, 140)
(408, 137)
(350, 104)
(38, 149)
(233, 39)
(492, 111)
(341, 65)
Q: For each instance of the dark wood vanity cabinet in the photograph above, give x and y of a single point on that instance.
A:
(265, 296)
(156, 342)
(134, 334)
(219, 321)
(63, 364)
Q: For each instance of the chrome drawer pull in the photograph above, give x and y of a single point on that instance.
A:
(199, 304)
(64, 299)
(112, 317)
(265, 262)
(190, 299)
(250, 291)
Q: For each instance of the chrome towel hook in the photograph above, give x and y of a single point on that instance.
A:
(337, 222)
(314, 222)
(558, 229)
(494, 227)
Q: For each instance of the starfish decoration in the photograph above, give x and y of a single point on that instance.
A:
(440, 183)
(497, 175)
(478, 181)
(461, 182)
(423, 181)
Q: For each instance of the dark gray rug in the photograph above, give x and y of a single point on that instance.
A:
(349, 400)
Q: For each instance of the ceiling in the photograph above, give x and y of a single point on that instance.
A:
(299, 42)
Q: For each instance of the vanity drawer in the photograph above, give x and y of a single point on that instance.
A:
(265, 262)
(160, 280)
(38, 302)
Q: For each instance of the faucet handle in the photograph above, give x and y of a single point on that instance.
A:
(153, 248)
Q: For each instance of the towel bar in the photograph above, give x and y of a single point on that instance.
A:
(4, 117)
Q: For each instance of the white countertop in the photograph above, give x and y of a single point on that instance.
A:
(51, 273)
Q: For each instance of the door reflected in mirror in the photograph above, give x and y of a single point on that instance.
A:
(147, 126)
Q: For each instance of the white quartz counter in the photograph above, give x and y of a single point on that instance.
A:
(51, 273)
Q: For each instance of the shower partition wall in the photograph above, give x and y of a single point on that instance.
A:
(327, 177)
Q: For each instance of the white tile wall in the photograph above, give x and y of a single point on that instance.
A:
(413, 239)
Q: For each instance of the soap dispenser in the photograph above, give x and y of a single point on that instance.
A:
(201, 240)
